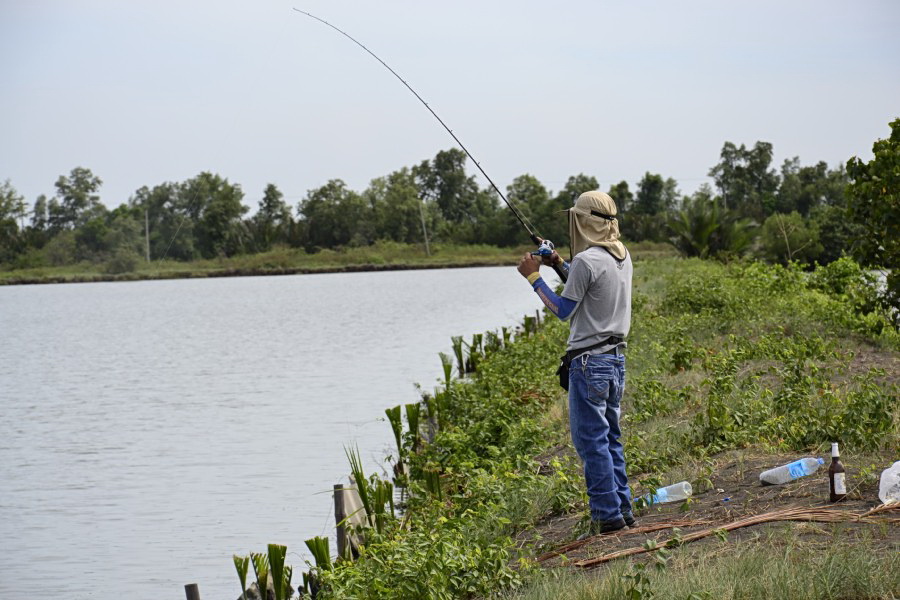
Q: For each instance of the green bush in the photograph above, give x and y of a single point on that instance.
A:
(124, 260)
(847, 280)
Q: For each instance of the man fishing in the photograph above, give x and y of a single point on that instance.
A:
(596, 300)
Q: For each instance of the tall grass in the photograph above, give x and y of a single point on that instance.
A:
(750, 572)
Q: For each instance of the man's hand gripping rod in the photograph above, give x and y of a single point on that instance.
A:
(545, 249)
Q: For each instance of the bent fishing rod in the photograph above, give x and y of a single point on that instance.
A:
(545, 246)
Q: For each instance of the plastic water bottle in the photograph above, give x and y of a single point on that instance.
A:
(670, 493)
(790, 471)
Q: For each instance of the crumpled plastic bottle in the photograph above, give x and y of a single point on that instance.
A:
(889, 487)
(790, 471)
(671, 493)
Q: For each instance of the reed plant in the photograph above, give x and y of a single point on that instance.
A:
(529, 325)
(412, 419)
(447, 364)
(432, 481)
(362, 484)
(261, 569)
(312, 579)
(457, 343)
(393, 415)
(376, 494)
(492, 343)
(475, 353)
(242, 565)
(281, 575)
(318, 547)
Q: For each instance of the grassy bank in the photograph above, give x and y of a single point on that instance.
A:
(382, 256)
(731, 369)
(281, 261)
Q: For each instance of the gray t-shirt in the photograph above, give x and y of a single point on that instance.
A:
(601, 285)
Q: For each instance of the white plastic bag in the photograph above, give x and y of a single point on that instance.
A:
(889, 490)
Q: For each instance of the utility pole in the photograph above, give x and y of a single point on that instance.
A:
(147, 235)
(424, 231)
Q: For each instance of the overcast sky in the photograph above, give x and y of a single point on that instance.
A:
(143, 93)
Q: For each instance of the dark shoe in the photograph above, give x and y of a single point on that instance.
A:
(629, 519)
(601, 527)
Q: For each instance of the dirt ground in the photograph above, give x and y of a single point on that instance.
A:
(736, 493)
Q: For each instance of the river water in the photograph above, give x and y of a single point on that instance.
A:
(149, 430)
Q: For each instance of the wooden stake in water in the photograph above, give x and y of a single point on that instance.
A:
(340, 513)
(192, 591)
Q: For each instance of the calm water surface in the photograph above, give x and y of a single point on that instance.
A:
(150, 430)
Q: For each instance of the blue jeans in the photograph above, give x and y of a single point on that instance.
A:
(596, 383)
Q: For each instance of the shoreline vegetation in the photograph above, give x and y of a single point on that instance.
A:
(381, 256)
(733, 369)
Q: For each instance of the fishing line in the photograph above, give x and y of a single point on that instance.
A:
(518, 213)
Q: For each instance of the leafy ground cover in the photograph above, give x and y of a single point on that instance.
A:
(731, 369)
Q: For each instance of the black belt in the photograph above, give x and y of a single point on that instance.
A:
(573, 354)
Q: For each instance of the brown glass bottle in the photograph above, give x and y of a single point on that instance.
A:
(837, 476)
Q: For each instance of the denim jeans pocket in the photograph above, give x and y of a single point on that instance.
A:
(598, 385)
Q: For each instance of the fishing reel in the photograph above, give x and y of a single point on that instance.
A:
(545, 249)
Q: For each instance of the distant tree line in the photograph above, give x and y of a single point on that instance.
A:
(796, 213)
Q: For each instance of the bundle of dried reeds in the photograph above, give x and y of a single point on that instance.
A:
(819, 515)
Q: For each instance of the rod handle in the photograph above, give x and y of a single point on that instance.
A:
(560, 273)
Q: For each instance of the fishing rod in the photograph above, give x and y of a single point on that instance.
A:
(545, 246)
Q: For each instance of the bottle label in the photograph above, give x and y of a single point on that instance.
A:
(797, 469)
(840, 483)
(660, 496)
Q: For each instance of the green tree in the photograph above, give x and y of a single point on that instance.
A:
(76, 199)
(39, 214)
(575, 186)
(837, 233)
(12, 214)
(803, 189)
(790, 237)
(530, 197)
(695, 225)
(444, 180)
(647, 216)
(703, 228)
(335, 215)
(111, 233)
(171, 227)
(745, 180)
(874, 204)
(272, 222)
(399, 209)
(214, 205)
(553, 223)
(655, 195)
(90, 237)
(622, 196)
(61, 249)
